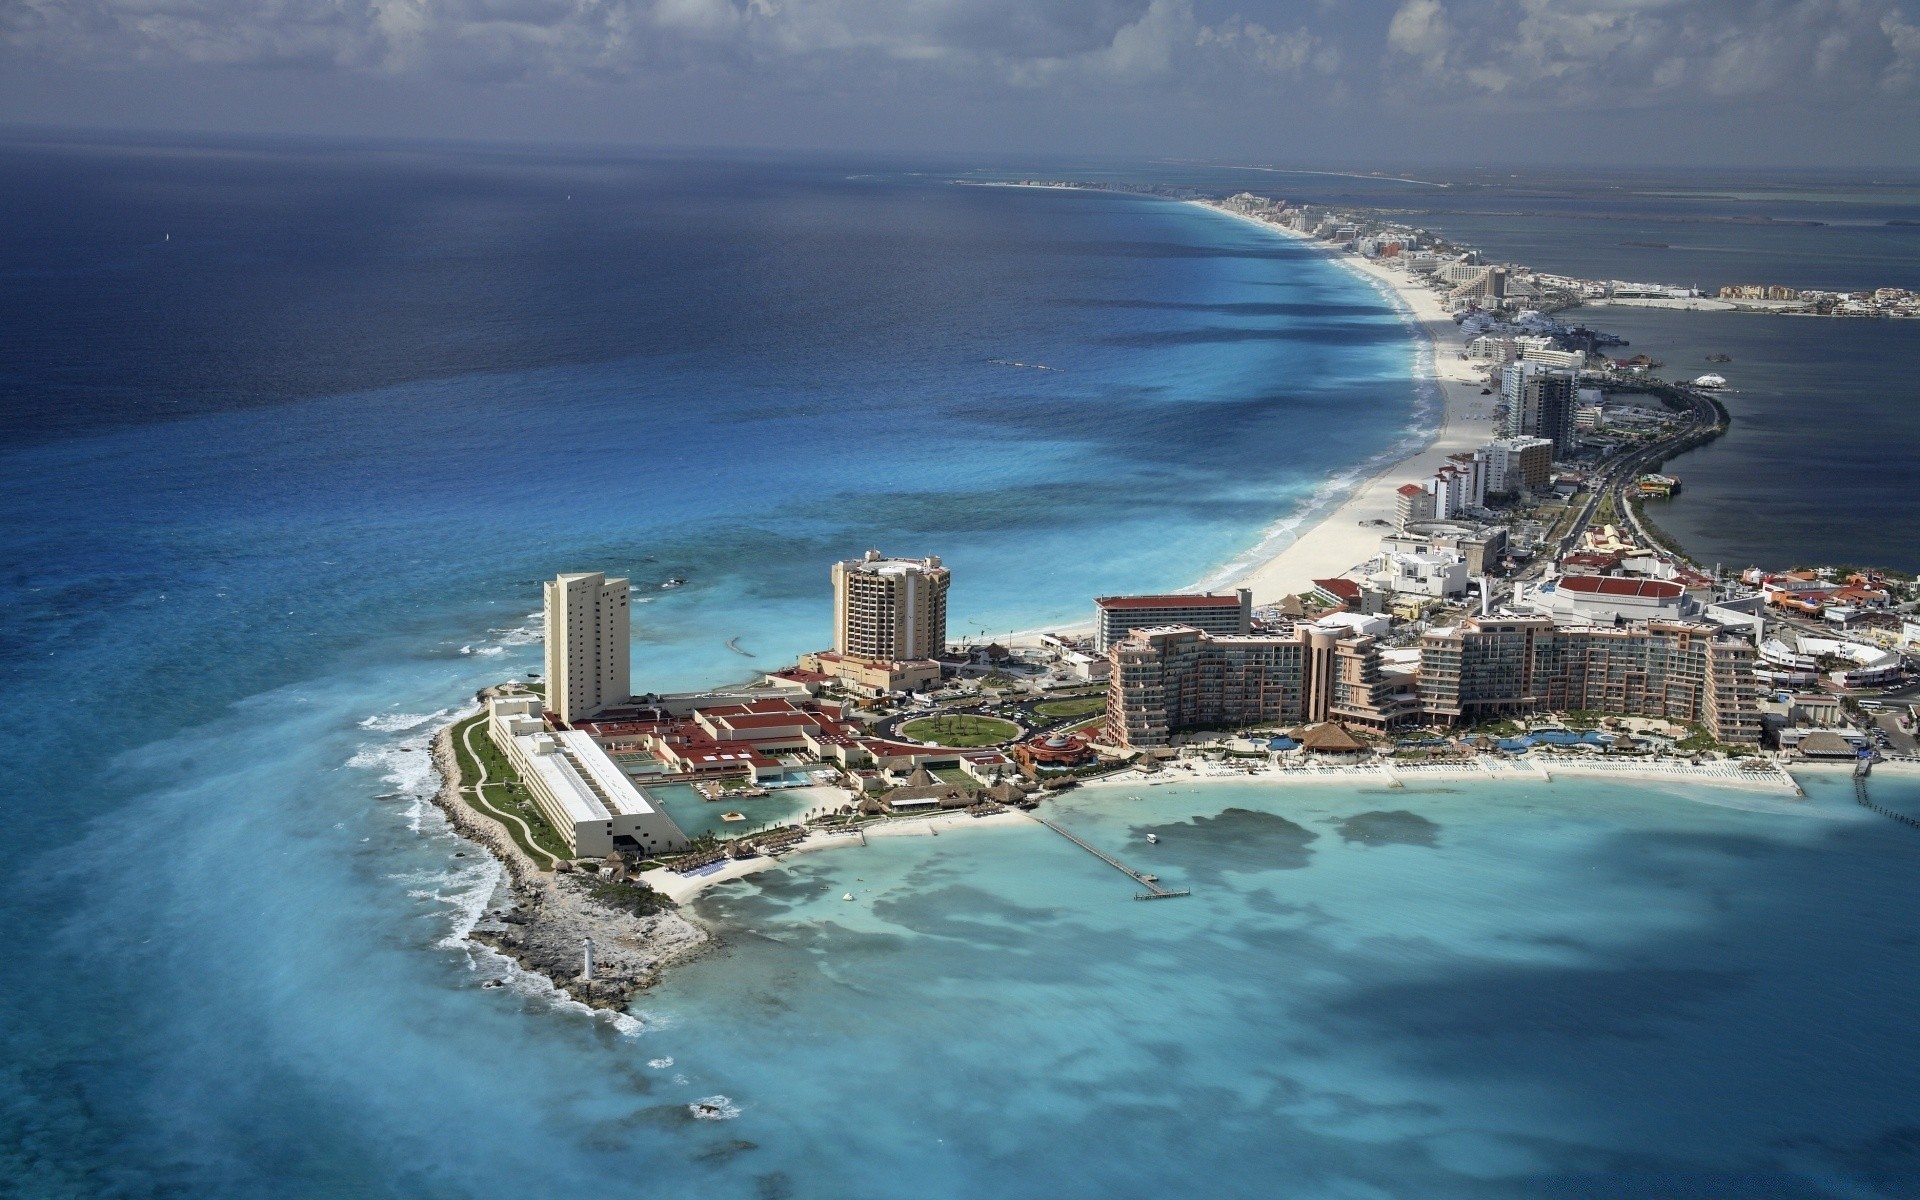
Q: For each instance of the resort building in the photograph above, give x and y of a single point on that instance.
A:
(1435, 574)
(871, 677)
(1519, 464)
(1412, 503)
(1480, 546)
(1173, 678)
(1114, 617)
(889, 609)
(1540, 402)
(1679, 670)
(1606, 599)
(589, 638)
(587, 799)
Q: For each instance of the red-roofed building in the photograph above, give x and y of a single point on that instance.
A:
(1117, 616)
(1412, 503)
(1343, 593)
(1606, 599)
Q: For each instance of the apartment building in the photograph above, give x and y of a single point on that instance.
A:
(1679, 670)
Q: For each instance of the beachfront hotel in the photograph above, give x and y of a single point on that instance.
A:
(1540, 402)
(889, 624)
(1176, 678)
(583, 794)
(1114, 617)
(589, 636)
(1173, 678)
(889, 609)
(1690, 671)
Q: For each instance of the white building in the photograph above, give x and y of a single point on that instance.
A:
(583, 794)
(1412, 574)
(1604, 600)
(1797, 658)
(589, 639)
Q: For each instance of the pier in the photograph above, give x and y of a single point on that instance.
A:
(1154, 890)
(1862, 768)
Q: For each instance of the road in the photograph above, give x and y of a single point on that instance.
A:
(1621, 472)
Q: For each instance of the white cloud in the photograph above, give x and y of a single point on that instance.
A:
(1613, 53)
(1570, 54)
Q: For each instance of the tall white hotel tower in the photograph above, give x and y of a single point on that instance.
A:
(589, 631)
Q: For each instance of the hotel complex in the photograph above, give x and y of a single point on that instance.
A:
(1173, 678)
(1117, 616)
(589, 635)
(1176, 677)
(583, 794)
(1688, 671)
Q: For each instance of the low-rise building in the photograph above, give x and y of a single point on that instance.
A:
(587, 799)
(1436, 574)
(1607, 599)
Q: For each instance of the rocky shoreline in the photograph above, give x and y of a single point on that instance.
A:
(552, 913)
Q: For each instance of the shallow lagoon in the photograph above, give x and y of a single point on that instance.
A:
(1500, 989)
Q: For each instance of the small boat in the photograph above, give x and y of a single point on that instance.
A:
(1149, 879)
(675, 582)
(1153, 839)
(848, 896)
(733, 816)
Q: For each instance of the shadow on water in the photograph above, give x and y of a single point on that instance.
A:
(1238, 839)
(1757, 1049)
(1389, 829)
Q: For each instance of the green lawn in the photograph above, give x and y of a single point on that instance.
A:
(1077, 706)
(961, 730)
(547, 847)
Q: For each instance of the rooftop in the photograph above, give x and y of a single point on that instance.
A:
(1606, 585)
(1179, 601)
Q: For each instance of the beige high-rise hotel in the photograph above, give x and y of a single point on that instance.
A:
(889, 609)
(589, 638)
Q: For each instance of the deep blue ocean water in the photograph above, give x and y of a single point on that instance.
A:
(292, 433)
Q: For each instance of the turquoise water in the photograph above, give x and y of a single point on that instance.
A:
(1488, 990)
(285, 485)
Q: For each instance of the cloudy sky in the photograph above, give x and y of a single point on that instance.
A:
(1792, 82)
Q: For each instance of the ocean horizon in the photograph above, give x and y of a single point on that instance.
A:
(296, 432)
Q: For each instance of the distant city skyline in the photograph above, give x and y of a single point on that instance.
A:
(1803, 83)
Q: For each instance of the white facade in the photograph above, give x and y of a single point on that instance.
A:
(583, 794)
(589, 644)
(1795, 658)
(1435, 575)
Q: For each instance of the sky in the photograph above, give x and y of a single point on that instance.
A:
(1712, 82)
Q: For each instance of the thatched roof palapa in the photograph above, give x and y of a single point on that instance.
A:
(1330, 737)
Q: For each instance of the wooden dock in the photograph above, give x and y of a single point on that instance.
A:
(1154, 890)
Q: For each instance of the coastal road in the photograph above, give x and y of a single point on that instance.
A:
(1625, 470)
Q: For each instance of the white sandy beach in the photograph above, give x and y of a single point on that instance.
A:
(1339, 540)
(681, 888)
